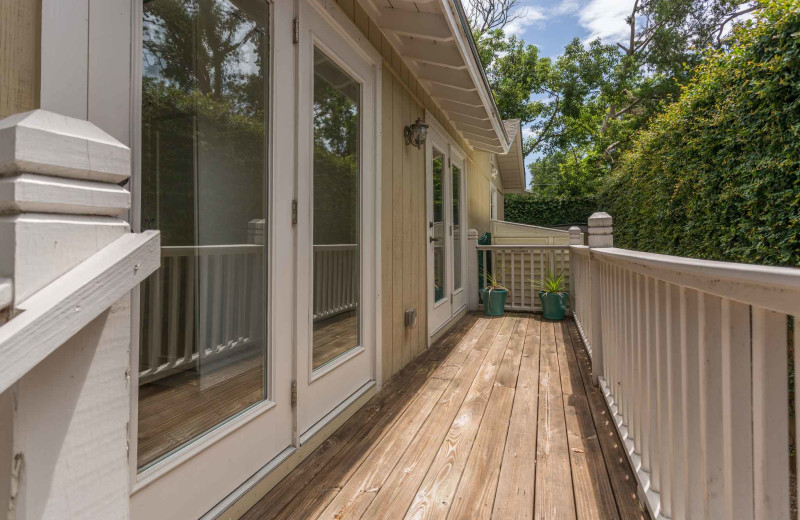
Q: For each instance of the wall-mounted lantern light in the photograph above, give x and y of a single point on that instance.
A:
(416, 134)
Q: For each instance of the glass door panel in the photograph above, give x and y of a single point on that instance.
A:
(205, 86)
(336, 181)
(438, 228)
(456, 230)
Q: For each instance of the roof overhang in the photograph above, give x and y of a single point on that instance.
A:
(434, 40)
(512, 164)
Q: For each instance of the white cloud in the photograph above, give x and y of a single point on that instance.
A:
(566, 7)
(605, 19)
(527, 17)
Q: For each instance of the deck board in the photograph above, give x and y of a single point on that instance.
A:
(496, 420)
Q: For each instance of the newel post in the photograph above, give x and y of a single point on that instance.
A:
(472, 268)
(575, 238)
(64, 423)
(600, 235)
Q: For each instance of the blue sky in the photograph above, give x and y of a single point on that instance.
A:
(551, 24)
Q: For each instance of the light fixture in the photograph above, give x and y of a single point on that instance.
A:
(416, 134)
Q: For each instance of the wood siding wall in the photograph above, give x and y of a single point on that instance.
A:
(20, 21)
(403, 226)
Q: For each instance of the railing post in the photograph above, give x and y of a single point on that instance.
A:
(61, 201)
(472, 268)
(575, 238)
(600, 235)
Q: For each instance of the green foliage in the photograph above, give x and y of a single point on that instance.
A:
(550, 284)
(494, 283)
(548, 211)
(717, 175)
(584, 108)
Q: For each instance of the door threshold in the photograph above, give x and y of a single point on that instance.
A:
(447, 325)
(333, 414)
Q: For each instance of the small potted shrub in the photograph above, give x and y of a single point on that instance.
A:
(494, 296)
(551, 293)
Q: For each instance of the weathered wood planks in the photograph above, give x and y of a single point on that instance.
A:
(496, 420)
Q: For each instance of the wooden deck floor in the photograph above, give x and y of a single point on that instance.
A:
(497, 420)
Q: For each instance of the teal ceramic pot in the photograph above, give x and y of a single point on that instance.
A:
(554, 305)
(494, 301)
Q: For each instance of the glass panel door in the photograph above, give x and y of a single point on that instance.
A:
(336, 260)
(456, 230)
(438, 227)
(336, 253)
(205, 86)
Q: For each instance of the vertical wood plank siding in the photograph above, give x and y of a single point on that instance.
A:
(20, 21)
(403, 201)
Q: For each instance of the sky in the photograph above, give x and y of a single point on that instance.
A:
(551, 24)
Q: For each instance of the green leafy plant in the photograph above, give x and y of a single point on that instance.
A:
(494, 283)
(550, 284)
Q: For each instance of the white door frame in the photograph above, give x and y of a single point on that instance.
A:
(321, 391)
(441, 312)
(213, 466)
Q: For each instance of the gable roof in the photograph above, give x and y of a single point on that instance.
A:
(434, 40)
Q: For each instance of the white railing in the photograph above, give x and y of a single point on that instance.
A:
(335, 279)
(205, 301)
(692, 357)
(518, 266)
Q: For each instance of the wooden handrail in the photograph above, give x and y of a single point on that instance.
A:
(55, 313)
(692, 357)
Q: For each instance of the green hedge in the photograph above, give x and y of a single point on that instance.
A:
(548, 211)
(717, 175)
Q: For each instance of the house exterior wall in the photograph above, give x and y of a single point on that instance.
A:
(403, 226)
(19, 56)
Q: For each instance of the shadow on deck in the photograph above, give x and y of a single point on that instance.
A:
(498, 419)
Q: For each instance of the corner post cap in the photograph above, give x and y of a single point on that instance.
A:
(472, 234)
(600, 219)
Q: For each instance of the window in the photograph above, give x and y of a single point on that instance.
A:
(456, 227)
(336, 181)
(205, 91)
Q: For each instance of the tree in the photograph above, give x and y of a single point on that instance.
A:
(583, 108)
(488, 15)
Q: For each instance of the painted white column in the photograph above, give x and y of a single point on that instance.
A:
(472, 268)
(66, 428)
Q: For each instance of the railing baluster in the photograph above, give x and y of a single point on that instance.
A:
(664, 386)
(693, 457)
(678, 476)
(175, 274)
(155, 310)
(711, 402)
(737, 410)
(770, 416)
(189, 310)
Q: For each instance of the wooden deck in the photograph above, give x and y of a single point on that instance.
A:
(497, 420)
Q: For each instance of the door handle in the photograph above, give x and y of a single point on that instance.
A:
(431, 239)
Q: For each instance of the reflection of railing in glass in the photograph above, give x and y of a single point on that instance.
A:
(200, 305)
(335, 279)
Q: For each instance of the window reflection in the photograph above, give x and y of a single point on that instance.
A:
(336, 179)
(203, 184)
(438, 227)
(456, 227)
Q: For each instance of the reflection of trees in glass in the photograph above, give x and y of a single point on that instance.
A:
(204, 93)
(336, 157)
(438, 188)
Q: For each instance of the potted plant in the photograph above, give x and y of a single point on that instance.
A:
(494, 296)
(551, 293)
